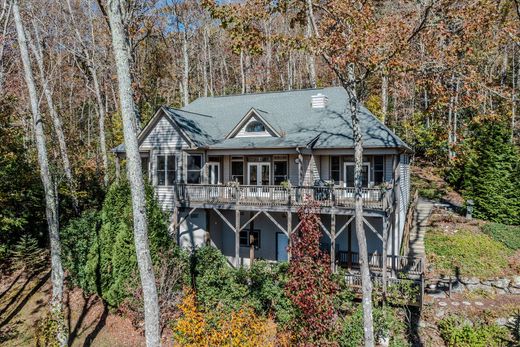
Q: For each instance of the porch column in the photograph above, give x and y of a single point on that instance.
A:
(237, 238)
(349, 249)
(289, 233)
(333, 241)
(173, 228)
(207, 235)
(385, 246)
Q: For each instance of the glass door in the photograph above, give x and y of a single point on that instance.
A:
(259, 174)
(213, 173)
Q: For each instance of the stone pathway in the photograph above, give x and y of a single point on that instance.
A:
(422, 216)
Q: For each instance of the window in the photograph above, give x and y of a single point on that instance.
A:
(255, 127)
(335, 169)
(349, 173)
(194, 168)
(280, 171)
(245, 238)
(166, 170)
(145, 164)
(237, 169)
(379, 167)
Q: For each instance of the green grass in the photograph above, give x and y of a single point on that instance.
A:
(509, 235)
(427, 189)
(474, 254)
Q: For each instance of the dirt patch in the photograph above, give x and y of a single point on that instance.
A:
(24, 296)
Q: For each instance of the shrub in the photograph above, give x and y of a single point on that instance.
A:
(473, 254)
(99, 246)
(458, 332)
(386, 324)
(241, 327)
(509, 235)
(217, 284)
(487, 171)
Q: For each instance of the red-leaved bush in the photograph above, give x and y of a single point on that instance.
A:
(310, 286)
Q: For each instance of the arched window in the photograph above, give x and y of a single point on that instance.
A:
(255, 127)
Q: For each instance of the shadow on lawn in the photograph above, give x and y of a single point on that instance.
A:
(24, 301)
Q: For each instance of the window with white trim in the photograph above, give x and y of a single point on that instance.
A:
(166, 170)
(194, 168)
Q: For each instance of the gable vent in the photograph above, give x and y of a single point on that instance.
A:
(319, 101)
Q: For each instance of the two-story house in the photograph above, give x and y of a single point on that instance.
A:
(233, 171)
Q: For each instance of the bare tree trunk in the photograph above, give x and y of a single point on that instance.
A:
(36, 49)
(101, 107)
(311, 62)
(51, 201)
(513, 98)
(349, 84)
(384, 96)
(144, 260)
(368, 324)
(242, 72)
(205, 62)
(4, 16)
(186, 69)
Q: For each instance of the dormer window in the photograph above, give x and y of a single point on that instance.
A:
(255, 127)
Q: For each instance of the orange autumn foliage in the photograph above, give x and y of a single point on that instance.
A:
(217, 328)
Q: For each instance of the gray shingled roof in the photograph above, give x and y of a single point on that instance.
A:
(208, 120)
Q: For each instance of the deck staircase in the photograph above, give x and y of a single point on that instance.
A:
(418, 231)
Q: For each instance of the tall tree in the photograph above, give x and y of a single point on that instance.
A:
(121, 49)
(51, 200)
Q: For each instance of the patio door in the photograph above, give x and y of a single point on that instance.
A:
(259, 174)
(349, 178)
(213, 172)
(281, 246)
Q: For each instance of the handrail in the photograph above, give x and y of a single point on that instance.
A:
(410, 218)
(373, 198)
(409, 265)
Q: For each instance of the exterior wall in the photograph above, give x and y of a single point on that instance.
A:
(163, 135)
(192, 232)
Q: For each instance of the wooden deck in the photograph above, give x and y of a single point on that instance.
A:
(269, 196)
(409, 266)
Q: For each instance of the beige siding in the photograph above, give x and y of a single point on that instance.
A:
(293, 169)
(163, 135)
(388, 168)
(325, 167)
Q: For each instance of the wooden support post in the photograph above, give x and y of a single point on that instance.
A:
(349, 250)
(237, 238)
(385, 252)
(207, 235)
(251, 244)
(174, 225)
(289, 233)
(333, 241)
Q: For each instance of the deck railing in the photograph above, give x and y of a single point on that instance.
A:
(272, 195)
(409, 265)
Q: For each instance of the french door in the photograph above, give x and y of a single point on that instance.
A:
(259, 174)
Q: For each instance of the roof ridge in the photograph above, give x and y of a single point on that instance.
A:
(269, 92)
(191, 112)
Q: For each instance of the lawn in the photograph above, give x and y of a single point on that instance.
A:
(475, 254)
(509, 235)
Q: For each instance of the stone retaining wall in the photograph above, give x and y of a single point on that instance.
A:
(501, 285)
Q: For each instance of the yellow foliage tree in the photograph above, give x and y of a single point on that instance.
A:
(242, 328)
